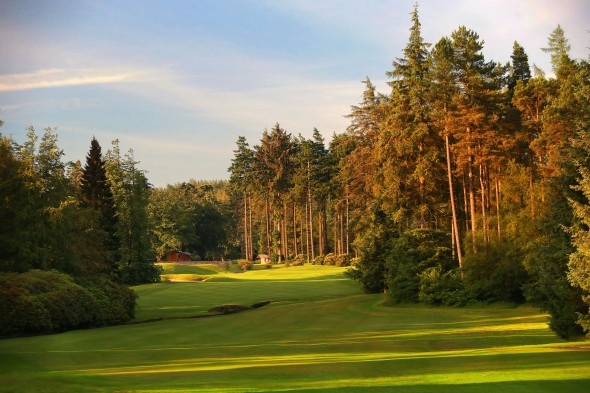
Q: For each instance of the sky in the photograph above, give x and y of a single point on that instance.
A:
(179, 81)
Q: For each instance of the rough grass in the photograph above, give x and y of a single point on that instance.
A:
(350, 343)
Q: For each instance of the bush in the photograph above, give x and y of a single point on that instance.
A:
(70, 307)
(300, 259)
(329, 259)
(438, 287)
(496, 274)
(116, 302)
(369, 275)
(297, 262)
(48, 301)
(409, 256)
(319, 260)
(244, 264)
(26, 315)
(342, 260)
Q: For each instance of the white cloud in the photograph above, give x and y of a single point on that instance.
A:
(52, 78)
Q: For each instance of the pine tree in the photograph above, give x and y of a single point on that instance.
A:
(520, 69)
(131, 192)
(442, 92)
(241, 183)
(15, 210)
(408, 144)
(558, 46)
(96, 194)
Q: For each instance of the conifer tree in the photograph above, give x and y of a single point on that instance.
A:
(95, 193)
(520, 69)
(408, 143)
(131, 191)
(241, 183)
(558, 46)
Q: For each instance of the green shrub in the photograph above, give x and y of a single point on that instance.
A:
(297, 262)
(329, 259)
(116, 302)
(410, 255)
(495, 274)
(48, 301)
(244, 264)
(70, 307)
(369, 274)
(342, 260)
(319, 260)
(440, 287)
(26, 315)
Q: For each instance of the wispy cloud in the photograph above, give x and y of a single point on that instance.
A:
(53, 78)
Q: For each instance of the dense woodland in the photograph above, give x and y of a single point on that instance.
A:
(468, 181)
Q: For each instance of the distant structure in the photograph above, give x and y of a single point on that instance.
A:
(179, 256)
(264, 259)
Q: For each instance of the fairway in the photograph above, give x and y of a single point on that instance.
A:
(319, 335)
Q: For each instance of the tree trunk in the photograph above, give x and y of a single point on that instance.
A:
(246, 249)
(483, 203)
(296, 251)
(335, 228)
(471, 197)
(453, 210)
(268, 246)
(498, 218)
(307, 230)
(251, 235)
(347, 226)
(311, 242)
(466, 204)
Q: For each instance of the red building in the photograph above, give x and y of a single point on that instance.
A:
(177, 256)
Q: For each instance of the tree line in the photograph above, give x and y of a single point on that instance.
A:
(73, 236)
(466, 182)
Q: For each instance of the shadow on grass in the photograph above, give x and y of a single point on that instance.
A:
(549, 386)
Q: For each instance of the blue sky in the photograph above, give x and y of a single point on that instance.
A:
(179, 81)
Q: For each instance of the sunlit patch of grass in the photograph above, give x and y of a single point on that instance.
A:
(183, 277)
(178, 268)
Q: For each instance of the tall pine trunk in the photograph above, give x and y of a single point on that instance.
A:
(471, 196)
(498, 217)
(453, 210)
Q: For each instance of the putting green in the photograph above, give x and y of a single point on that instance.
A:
(335, 343)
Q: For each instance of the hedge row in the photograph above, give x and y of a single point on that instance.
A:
(38, 302)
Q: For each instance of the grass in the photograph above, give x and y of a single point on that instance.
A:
(346, 342)
(278, 284)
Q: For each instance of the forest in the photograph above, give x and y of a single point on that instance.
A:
(469, 181)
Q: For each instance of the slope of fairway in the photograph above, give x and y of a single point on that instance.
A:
(341, 344)
(278, 284)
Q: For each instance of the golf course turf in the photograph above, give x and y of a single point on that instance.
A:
(319, 334)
